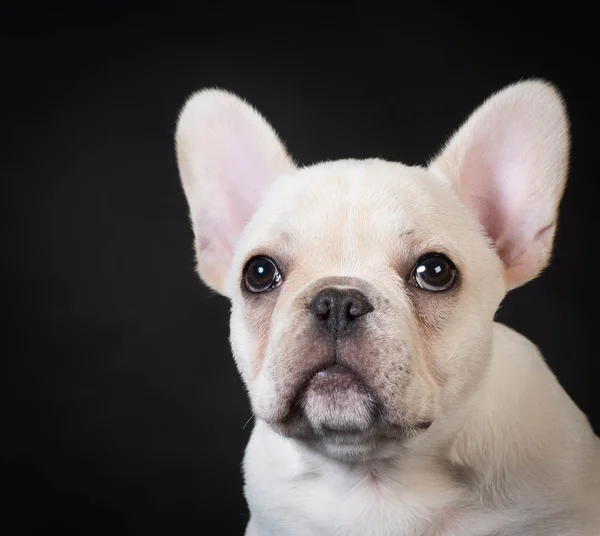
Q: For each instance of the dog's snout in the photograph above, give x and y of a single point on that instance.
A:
(337, 309)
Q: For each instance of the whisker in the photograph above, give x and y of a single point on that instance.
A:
(251, 417)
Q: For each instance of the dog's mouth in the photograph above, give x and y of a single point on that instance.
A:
(335, 400)
(333, 379)
(336, 411)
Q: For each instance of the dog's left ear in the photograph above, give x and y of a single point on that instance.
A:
(228, 155)
(508, 163)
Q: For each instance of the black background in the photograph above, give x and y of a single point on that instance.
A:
(122, 411)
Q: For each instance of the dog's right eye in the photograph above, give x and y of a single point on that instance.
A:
(434, 272)
(261, 274)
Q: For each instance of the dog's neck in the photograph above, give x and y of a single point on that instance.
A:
(519, 409)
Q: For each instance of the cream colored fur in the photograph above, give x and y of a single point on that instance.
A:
(505, 451)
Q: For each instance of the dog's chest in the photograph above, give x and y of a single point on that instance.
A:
(317, 507)
(288, 496)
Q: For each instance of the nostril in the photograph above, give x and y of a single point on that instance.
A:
(321, 307)
(358, 306)
(354, 311)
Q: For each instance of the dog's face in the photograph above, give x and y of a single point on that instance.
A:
(363, 292)
(360, 290)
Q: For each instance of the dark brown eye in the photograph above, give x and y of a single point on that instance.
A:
(261, 274)
(434, 272)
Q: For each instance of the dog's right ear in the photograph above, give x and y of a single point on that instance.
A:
(508, 163)
(227, 155)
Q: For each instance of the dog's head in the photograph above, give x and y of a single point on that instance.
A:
(363, 292)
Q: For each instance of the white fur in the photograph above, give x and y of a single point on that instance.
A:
(508, 453)
(213, 126)
(512, 156)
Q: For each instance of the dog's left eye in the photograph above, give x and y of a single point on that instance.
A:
(261, 274)
(434, 272)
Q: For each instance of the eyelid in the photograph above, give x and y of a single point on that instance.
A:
(277, 281)
(440, 252)
(412, 279)
(279, 262)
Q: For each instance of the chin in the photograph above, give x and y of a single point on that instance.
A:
(335, 413)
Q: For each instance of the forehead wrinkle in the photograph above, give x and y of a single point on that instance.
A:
(353, 210)
(351, 221)
(360, 218)
(354, 183)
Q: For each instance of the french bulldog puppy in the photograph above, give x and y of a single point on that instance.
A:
(363, 293)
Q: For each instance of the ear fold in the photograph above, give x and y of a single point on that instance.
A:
(227, 155)
(508, 163)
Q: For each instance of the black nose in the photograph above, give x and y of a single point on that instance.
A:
(337, 309)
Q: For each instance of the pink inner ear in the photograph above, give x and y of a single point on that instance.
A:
(493, 183)
(246, 168)
(508, 164)
(228, 156)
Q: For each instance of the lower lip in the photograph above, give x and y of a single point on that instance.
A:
(334, 378)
